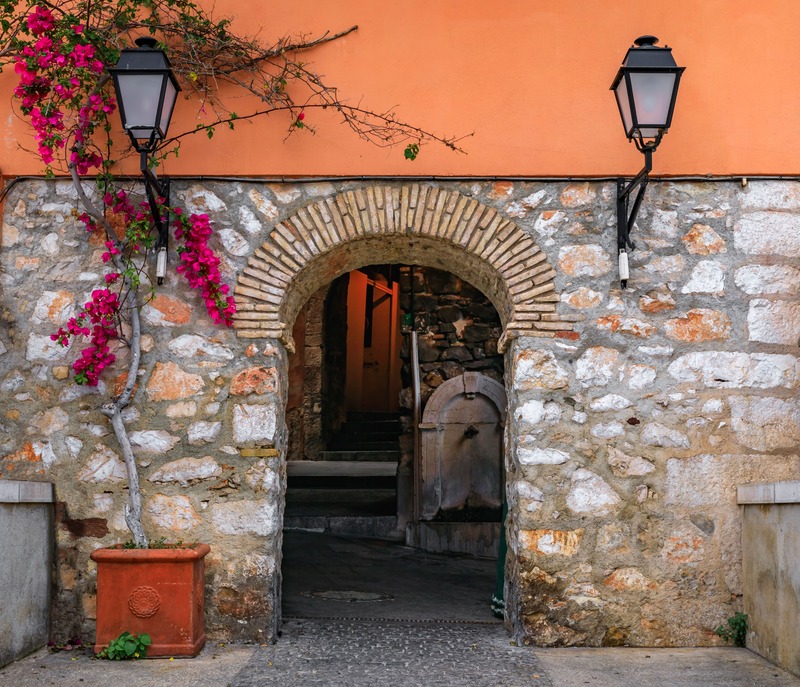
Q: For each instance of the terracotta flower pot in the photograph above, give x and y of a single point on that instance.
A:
(157, 591)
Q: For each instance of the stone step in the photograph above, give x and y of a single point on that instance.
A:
(370, 527)
(341, 468)
(341, 501)
(359, 456)
(362, 445)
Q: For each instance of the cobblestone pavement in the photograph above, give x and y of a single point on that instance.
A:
(358, 653)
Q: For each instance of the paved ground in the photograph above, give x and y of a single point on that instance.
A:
(410, 584)
(415, 620)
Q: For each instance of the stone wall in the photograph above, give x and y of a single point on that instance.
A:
(457, 328)
(633, 414)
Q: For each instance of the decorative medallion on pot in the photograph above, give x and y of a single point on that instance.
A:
(160, 592)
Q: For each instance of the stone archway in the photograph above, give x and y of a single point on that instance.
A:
(413, 223)
(403, 224)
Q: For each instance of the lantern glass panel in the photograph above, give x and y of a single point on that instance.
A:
(621, 92)
(652, 95)
(170, 93)
(139, 94)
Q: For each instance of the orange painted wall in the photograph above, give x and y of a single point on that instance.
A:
(530, 78)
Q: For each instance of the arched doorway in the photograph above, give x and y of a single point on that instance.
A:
(359, 466)
(401, 224)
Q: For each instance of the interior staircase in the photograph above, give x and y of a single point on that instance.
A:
(352, 488)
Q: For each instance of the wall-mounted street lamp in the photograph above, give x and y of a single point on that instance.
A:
(646, 87)
(146, 91)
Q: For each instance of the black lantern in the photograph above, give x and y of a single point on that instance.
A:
(146, 90)
(646, 87)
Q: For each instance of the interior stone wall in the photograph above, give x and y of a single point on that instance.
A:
(632, 414)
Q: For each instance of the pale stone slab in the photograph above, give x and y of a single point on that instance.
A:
(203, 432)
(656, 434)
(776, 322)
(731, 370)
(756, 280)
(173, 512)
(154, 440)
(609, 402)
(770, 195)
(190, 345)
(597, 366)
(186, 470)
(708, 276)
(537, 369)
(542, 456)
(246, 517)
(253, 423)
(768, 233)
(590, 494)
(712, 480)
(764, 423)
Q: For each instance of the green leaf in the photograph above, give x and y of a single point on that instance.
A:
(411, 151)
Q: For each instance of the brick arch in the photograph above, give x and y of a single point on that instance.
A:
(410, 224)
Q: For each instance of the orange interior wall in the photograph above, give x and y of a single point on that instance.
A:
(530, 78)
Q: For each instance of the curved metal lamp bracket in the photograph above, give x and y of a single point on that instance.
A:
(626, 218)
(156, 188)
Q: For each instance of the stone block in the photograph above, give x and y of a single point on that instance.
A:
(588, 260)
(187, 470)
(656, 434)
(254, 423)
(731, 370)
(708, 276)
(582, 298)
(192, 346)
(538, 369)
(626, 325)
(698, 325)
(246, 517)
(590, 494)
(598, 366)
(768, 233)
(764, 423)
(154, 440)
(166, 311)
(174, 513)
(770, 195)
(756, 280)
(711, 481)
(703, 240)
(551, 542)
(170, 383)
(776, 322)
(203, 432)
(541, 456)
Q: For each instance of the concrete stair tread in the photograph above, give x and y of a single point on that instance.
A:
(341, 468)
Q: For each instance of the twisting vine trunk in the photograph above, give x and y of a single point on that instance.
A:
(113, 410)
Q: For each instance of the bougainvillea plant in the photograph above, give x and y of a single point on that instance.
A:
(61, 53)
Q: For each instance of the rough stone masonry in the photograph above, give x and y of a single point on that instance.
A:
(633, 414)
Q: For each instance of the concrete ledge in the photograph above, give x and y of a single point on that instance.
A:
(19, 491)
(768, 493)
